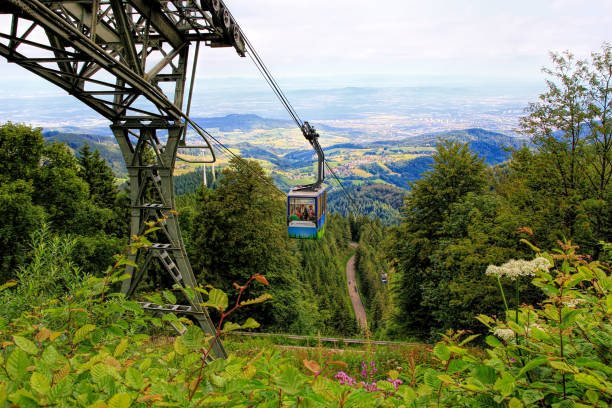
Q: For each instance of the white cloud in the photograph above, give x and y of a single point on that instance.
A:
(415, 37)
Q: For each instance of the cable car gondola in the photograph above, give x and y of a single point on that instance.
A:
(306, 212)
(307, 205)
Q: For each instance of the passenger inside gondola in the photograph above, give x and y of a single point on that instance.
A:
(311, 213)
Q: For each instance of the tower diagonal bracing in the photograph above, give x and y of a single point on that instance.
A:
(129, 61)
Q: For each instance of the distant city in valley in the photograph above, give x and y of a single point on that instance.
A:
(363, 113)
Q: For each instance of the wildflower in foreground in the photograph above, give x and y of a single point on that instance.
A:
(517, 268)
(504, 334)
(396, 383)
(345, 378)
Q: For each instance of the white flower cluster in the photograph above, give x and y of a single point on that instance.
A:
(504, 334)
(516, 268)
(573, 302)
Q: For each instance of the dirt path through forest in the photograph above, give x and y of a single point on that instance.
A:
(360, 313)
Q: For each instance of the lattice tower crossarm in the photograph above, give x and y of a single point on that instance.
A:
(127, 60)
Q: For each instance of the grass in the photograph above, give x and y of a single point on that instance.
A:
(396, 357)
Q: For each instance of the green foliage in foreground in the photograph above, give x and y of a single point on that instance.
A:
(90, 348)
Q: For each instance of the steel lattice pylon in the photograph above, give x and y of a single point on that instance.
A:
(128, 60)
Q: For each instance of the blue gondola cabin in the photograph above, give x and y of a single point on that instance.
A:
(306, 211)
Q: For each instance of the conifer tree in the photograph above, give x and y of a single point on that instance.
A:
(94, 170)
(456, 173)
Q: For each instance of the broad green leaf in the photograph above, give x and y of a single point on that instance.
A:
(233, 370)
(587, 362)
(169, 297)
(190, 359)
(561, 365)
(248, 372)
(505, 384)
(217, 380)
(385, 386)
(98, 372)
(539, 334)
(515, 403)
(193, 338)
(217, 299)
(486, 320)
(468, 339)
(82, 333)
(456, 366)
(441, 351)
(120, 401)
(250, 324)
(290, 380)
(150, 230)
(484, 374)
(25, 344)
(17, 364)
(133, 378)
(258, 299)
(180, 347)
(230, 326)
(446, 378)
(7, 285)
(146, 364)
(590, 380)
(494, 342)
(60, 390)
(518, 329)
(40, 383)
(592, 396)
(407, 393)
(568, 316)
(121, 347)
(3, 394)
(126, 261)
(530, 396)
(430, 378)
(532, 364)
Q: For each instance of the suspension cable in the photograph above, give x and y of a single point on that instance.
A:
(265, 72)
(346, 193)
(221, 148)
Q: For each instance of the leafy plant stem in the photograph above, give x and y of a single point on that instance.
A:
(501, 290)
(561, 340)
(218, 334)
(516, 306)
(440, 388)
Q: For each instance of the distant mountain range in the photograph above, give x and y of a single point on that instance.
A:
(396, 162)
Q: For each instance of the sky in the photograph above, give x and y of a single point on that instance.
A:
(401, 42)
(409, 40)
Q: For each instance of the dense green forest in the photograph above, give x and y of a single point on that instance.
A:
(457, 219)
(457, 252)
(232, 230)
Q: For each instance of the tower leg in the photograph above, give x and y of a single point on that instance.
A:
(149, 149)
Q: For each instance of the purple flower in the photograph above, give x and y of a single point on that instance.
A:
(396, 383)
(345, 378)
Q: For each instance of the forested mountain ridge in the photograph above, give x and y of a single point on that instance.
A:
(106, 145)
(377, 201)
(404, 159)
